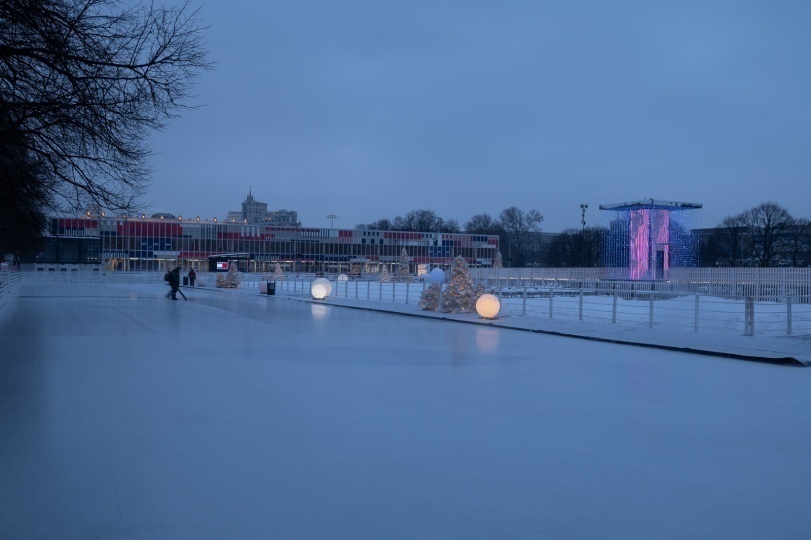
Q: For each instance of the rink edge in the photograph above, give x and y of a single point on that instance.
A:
(776, 360)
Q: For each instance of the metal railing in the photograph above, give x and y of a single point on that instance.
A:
(660, 309)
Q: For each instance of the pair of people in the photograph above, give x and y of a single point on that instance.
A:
(173, 278)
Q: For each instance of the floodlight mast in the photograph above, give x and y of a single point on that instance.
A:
(332, 217)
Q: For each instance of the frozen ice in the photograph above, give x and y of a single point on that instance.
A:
(126, 415)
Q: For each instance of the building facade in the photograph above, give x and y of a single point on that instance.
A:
(149, 243)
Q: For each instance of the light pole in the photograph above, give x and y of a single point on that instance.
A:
(583, 215)
(332, 217)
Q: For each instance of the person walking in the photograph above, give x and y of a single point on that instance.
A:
(192, 277)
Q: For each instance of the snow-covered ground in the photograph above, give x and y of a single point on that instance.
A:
(127, 415)
(689, 312)
(693, 323)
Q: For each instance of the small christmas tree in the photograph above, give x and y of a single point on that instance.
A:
(497, 262)
(402, 273)
(229, 280)
(429, 299)
(384, 275)
(278, 273)
(462, 292)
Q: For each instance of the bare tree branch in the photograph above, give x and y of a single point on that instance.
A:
(85, 81)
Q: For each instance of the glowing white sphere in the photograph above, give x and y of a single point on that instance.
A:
(327, 283)
(318, 290)
(436, 275)
(263, 287)
(343, 277)
(488, 306)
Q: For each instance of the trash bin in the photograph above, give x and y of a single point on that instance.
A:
(271, 288)
(185, 280)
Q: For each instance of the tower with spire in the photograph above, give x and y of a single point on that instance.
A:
(255, 212)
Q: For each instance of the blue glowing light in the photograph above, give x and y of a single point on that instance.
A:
(647, 238)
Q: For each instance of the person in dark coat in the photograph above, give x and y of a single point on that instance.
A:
(173, 278)
(192, 276)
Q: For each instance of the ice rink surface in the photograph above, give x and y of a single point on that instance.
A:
(127, 415)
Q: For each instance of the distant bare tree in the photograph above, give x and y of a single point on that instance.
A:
(417, 220)
(85, 81)
(767, 227)
(592, 241)
(729, 241)
(414, 220)
(576, 247)
(379, 225)
(482, 224)
(518, 226)
(449, 226)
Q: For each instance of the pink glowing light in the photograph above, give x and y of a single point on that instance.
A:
(649, 241)
(638, 259)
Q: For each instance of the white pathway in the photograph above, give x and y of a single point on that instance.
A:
(126, 415)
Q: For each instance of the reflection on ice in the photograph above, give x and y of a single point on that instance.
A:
(319, 311)
(487, 339)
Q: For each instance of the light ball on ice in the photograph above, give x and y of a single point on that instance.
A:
(318, 290)
(327, 284)
(488, 306)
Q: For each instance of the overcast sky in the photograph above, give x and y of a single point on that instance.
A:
(371, 109)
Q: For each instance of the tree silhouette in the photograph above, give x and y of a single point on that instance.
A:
(519, 226)
(85, 81)
(767, 227)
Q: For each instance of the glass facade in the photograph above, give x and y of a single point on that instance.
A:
(148, 244)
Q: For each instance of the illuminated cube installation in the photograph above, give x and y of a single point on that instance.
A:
(647, 238)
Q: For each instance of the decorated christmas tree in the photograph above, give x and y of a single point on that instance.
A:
(384, 275)
(229, 280)
(278, 273)
(497, 262)
(429, 299)
(462, 292)
(402, 273)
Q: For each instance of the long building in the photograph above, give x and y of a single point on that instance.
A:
(155, 243)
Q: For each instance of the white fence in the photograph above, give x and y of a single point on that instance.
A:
(734, 283)
(686, 311)
(570, 294)
(9, 283)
